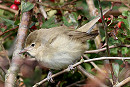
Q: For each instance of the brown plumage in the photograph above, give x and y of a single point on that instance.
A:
(57, 47)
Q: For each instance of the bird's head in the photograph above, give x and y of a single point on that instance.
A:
(32, 43)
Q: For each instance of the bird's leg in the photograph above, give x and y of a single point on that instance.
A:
(70, 67)
(49, 77)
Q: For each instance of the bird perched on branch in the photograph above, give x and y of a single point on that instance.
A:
(57, 47)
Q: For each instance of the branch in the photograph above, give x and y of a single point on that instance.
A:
(105, 28)
(56, 7)
(17, 59)
(103, 49)
(76, 83)
(78, 63)
(43, 12)
(8, 9)
(123, 82)
(95, 66)
(106, 40)
(125, 2)
(7, 36)
(54, 75)
(9, 30)
(92, 9)
(90, 76)
(69, 3)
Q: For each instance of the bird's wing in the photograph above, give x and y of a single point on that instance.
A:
(82, 36)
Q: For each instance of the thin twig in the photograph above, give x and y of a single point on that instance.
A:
(3, 70)
(43, 12)
(90, 76)
(9, 30)
(78, 63)
(104, 49)
(69, 3)
(46, 79)
(7, 36)
(105, 28)
(123, 82)
(56, 7)
(125, 2)
(95, 66)
(75, 83)
(102, 58)
(8, 9)
(106, 40)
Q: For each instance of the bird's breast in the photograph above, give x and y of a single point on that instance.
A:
(60, 53)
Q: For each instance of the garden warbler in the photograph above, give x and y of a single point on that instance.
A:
(57, 47)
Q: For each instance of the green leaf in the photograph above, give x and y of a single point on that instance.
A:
(66, 22)
(9, 22)
(26, 6)
(121, 39)
(103, 39)
(87, 67)
(32, 24)
(1, 12)
(125, 13)
(116, 69)
(113, 51)
(124, 50)
(50, 23)
(2, 29)
(73, 19)
(62, 83)
(126, 21)
(112, 41)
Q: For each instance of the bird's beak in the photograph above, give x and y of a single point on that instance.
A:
(23, 51)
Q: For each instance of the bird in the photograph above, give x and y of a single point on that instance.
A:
(57, 47)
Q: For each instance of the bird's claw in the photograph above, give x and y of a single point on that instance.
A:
(49, 78)
(70, 67)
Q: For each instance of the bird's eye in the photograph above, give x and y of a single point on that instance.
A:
(32, 44)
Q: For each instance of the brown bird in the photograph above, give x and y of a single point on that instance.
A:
(57, 47)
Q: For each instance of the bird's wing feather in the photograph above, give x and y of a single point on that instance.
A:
(82, 36)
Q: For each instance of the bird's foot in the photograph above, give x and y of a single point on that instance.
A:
(70, 67)
(49, 78)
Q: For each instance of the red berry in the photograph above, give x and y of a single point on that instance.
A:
(33, 27)
(17, 2)
(15, 7)
(100, 20)
(58, 12)
(52, 0)
(119, 24)
(108, 21)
